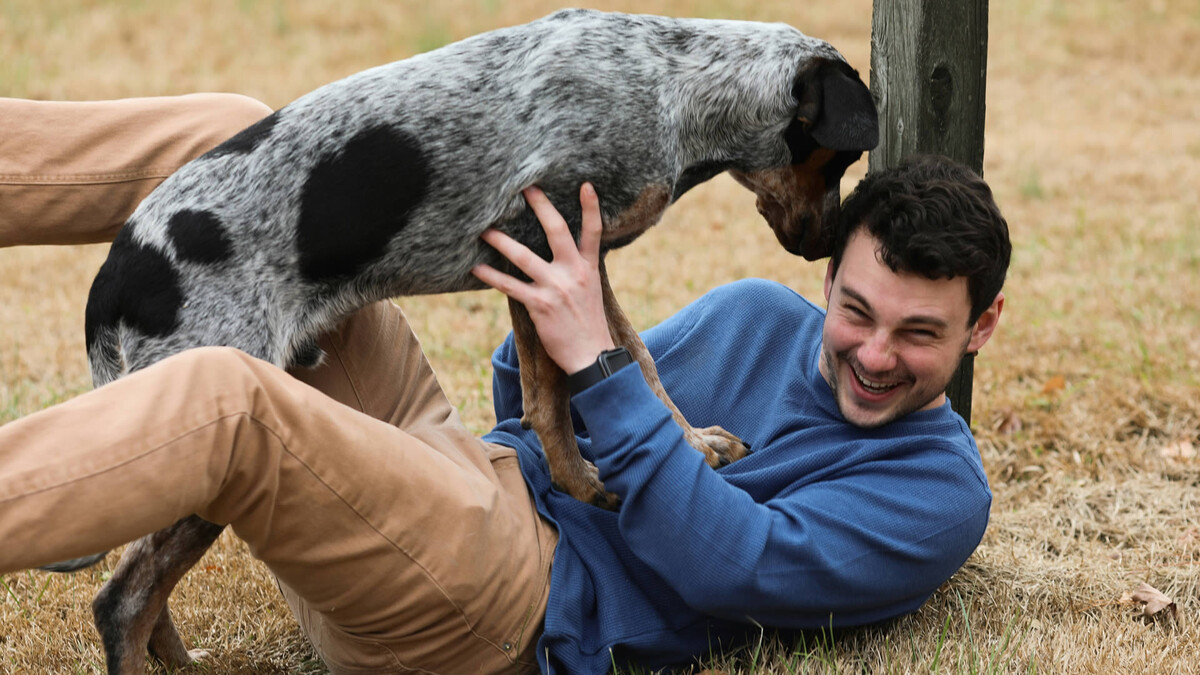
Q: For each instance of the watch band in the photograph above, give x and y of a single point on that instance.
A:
(609, 362)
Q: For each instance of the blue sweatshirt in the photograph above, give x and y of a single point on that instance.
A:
(823, 524)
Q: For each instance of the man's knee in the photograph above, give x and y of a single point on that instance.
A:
(217, 357)
(225, 114)
(216, 366)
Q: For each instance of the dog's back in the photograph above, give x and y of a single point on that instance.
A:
(378, 185)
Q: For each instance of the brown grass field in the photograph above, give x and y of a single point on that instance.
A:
(1086, 405)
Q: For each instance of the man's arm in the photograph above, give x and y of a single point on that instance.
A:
(868, 544)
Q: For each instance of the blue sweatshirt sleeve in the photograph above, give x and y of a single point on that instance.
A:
(867, 544)
(506, 382)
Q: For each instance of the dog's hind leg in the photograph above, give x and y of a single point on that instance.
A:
(718, 446)
(166, 645)
(547, 403)
(131, 611)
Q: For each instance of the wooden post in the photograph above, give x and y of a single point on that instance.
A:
(928, 76)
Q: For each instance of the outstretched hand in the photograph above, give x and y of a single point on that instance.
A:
(563, 297)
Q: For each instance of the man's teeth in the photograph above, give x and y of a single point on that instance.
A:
(878, 387)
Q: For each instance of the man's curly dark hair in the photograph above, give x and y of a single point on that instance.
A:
(933, 217)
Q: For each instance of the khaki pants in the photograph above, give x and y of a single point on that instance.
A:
(400, 541)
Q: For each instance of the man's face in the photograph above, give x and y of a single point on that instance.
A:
(891, 342)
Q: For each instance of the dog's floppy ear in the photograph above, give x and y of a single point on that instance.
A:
(836, 107)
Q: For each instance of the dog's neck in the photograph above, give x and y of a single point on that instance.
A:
(733, 108)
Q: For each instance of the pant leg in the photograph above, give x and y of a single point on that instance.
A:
(72, 172)
(408, 550)
(374, 364)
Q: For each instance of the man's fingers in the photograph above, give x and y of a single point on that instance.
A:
(506, 284)
(517, 253)
(558, 234)
(589, 238)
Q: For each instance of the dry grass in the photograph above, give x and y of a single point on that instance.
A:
(1093, 149)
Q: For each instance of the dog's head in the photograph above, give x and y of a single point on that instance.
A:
(835, 122)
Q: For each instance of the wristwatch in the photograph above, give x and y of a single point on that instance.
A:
(609, 362)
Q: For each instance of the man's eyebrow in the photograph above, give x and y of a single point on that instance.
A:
(916, 319)
(856, 296)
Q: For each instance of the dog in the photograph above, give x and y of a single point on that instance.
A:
(379, 185)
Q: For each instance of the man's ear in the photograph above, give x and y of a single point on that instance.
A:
(837, 107)
(986, 325)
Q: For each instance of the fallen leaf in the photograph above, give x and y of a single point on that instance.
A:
(1155, 605)
(1189, 537)
(1054, 384)
(1009, 424)
(1182, 451)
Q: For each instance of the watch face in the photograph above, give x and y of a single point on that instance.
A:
(615, 359)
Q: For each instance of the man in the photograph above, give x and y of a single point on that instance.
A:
(401, 542)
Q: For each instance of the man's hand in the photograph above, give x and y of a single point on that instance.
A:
(564, 296)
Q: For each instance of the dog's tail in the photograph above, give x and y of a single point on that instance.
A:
(100, 322)
(74, 563)
(104, 355)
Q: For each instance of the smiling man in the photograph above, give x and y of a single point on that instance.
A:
(864, 491)
(913, 285)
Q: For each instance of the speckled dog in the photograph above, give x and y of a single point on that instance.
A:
(379, 185)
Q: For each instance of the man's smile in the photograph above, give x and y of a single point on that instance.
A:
(869, 389)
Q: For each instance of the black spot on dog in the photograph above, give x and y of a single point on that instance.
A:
(246, 140)
(357, 199)
(695, 175)
(137, 286)
(199, 237)
(307, 355)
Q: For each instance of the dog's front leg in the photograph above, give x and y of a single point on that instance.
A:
(547, 403)
(718, 446)
(526, 340)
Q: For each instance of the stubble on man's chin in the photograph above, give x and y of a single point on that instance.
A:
(830, 375)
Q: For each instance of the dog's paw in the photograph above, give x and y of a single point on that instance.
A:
(718, 446)
(589, 489)
(606, 500)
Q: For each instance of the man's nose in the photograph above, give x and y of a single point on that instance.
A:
(876, 354)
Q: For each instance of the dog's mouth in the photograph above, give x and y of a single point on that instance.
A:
(804, 232)
(800, 208)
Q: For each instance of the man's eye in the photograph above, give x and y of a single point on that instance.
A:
(856, 311)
